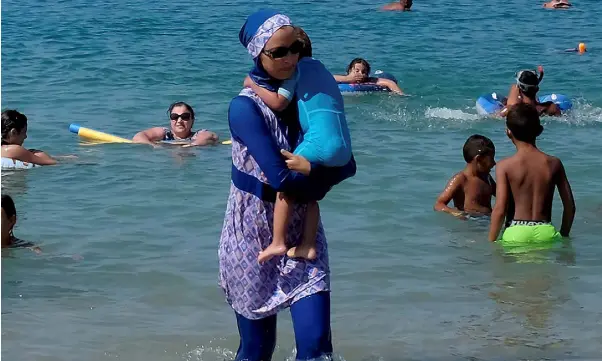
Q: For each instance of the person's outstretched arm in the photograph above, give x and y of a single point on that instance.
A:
(34, 156)
(390, 84)
(149, 136)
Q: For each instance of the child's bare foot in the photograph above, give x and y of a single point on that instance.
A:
(271, 251)
(302, 251)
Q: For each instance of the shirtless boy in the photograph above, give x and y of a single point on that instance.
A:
(525, 186)
(472, 188)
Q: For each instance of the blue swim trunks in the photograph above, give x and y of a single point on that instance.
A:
(326, 138)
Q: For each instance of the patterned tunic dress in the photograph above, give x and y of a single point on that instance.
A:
(256, 291)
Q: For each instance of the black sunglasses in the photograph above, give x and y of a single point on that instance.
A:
(282, 51)
(184, 116)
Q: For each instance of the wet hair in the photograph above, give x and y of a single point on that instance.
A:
(523, 121)
(12, 119)
(179, 104)
(475, 145)
(8, 205)
(302, 35)
(528, 82)
(358, 61)
(407, 4)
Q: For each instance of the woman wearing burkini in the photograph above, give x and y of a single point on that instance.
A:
(257, 292)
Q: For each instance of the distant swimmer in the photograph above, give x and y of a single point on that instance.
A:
(471, 189)
(358, 72)
(181, 116)
(579, 49)
(525, 92)
(401, 5)
(557, 4)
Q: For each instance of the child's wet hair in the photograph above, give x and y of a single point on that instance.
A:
(8, 205)
(477, 144)
(180, 104)
(12, 119)
(523, 121)
(302, 36)
(358, 61)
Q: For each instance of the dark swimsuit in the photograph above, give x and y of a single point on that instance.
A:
(170, 136)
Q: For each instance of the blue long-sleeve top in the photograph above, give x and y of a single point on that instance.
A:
(248, 127)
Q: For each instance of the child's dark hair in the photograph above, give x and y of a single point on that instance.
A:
(179, 104)
(358, 61)
(523, 121)
(12, 119)
(8, 205)
(302, 36)
(477, 145)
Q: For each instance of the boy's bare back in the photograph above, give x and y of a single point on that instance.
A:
(470, 193)
(531, 177)
(526, 182)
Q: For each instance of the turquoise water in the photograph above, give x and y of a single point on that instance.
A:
(129, 234)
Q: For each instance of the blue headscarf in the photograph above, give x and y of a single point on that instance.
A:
(254, 34)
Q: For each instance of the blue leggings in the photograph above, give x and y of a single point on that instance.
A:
(311, 323)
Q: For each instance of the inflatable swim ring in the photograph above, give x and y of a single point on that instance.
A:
(492, 103)
(367, 87)
(9, 163)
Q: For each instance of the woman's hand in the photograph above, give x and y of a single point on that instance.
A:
(296, 162)
(205, 138)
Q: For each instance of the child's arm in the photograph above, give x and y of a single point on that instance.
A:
(274, 100)
(454, 185)
(389, 84)
(36, 157)
(568, 202)
(296, 162)
(501, 202)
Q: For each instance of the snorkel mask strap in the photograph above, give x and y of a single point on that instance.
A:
(525, 87)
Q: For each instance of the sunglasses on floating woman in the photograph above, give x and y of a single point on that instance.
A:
(185, 116)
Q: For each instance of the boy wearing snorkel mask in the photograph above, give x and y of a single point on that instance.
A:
(525, 92)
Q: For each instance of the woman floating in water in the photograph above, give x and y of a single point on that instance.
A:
(401, 5)
(181, 117)
(14, 133)
(358, 71)
(557, 4)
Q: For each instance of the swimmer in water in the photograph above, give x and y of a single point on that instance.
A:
(9, 220)
(358, 71)
(181, 116)
(401, 5)
(526, 183)
(581, 48)
(525, 91)
(326, 138)
(14, 133)
(472, 188)
(557, 4)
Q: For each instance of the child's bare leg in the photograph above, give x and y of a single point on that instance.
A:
(307, 248)
(283, 210)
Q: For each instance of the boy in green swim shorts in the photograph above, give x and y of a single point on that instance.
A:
(525, 186)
